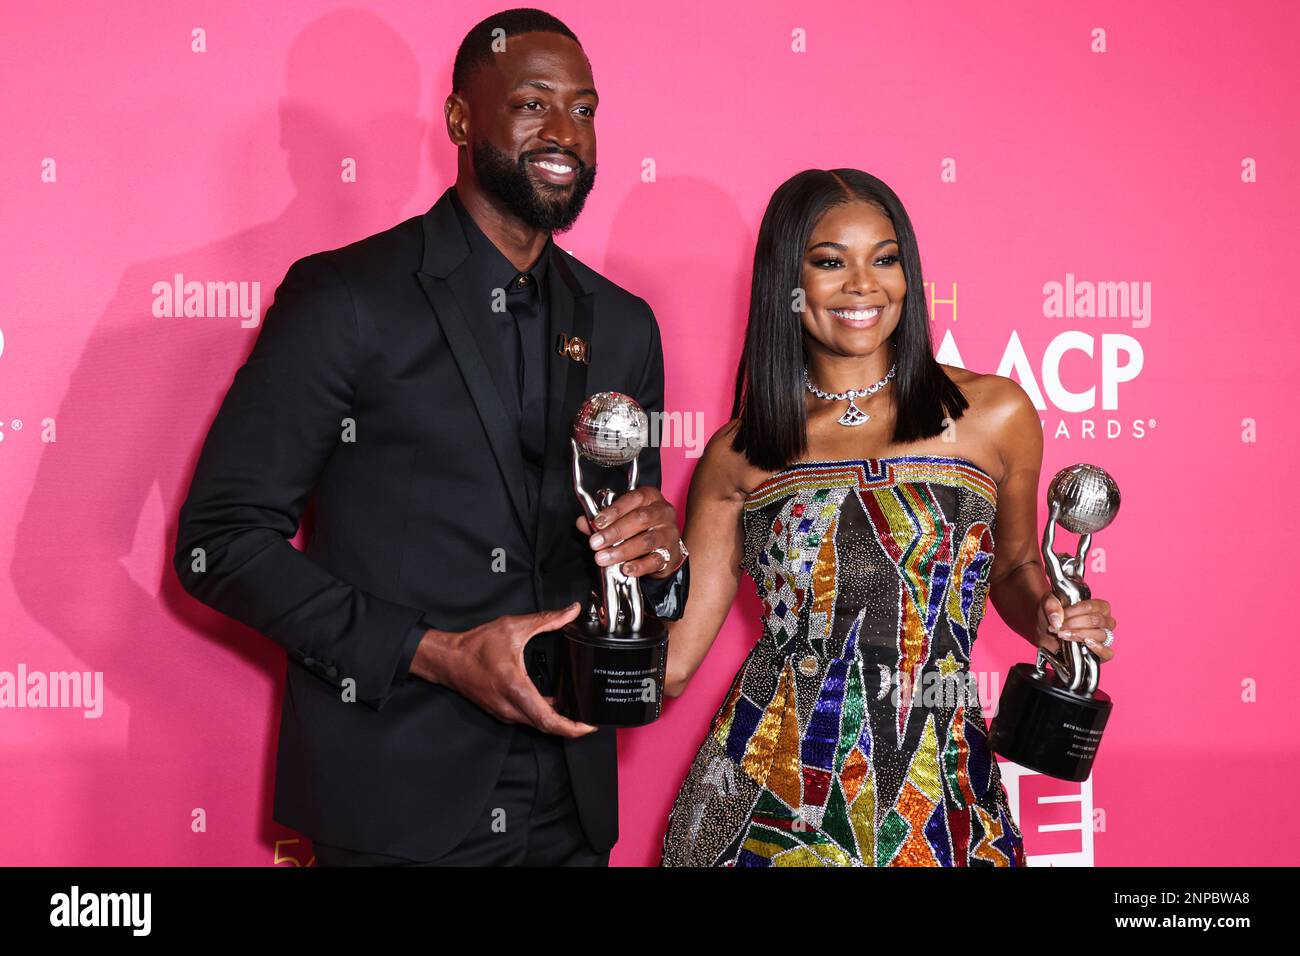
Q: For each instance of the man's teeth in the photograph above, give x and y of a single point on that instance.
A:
(856, 314)
(553, 167)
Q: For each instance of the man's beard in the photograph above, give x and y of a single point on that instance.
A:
(541, 205)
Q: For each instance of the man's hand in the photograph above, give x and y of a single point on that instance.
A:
(629, 530)
(486, 665)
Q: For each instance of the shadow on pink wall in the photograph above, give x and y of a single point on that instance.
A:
(92, 556)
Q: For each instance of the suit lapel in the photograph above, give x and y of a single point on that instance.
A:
(569, 307)
(445, 248)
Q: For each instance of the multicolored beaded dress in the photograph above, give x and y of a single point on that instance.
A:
(852, 734)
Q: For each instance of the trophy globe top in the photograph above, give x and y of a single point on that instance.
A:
(1088, 496)
(611, 429)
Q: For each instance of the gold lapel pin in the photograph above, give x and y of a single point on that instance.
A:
(574, 347)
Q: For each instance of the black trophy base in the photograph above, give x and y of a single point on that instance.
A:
(612, 680)
(1045, 727)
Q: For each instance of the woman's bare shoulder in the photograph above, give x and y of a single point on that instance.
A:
(1002, 413)
(723, 470)
(989, 395)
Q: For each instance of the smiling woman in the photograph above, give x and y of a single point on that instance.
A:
(868, 531)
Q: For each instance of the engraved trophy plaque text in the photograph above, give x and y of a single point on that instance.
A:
(1052, 721)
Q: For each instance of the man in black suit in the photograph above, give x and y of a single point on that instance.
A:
(420, 385)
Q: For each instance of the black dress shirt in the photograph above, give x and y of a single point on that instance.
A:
(515, 303)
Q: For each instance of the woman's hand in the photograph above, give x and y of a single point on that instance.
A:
(1078, 622)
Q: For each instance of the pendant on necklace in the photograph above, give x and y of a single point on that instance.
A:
(853, 415)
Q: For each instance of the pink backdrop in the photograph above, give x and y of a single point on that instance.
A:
(1025, 153)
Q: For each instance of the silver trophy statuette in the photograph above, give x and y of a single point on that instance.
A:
(1052, 722)
(611, 429)
(615, 660)
(1082, 499)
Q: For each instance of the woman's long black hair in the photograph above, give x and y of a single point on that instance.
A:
(769, 399)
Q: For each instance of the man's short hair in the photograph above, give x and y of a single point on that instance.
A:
(476, 49)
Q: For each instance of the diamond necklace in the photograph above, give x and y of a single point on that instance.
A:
(852, 415)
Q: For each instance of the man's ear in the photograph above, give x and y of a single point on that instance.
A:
(456, 112)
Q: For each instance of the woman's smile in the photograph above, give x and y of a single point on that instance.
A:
(859, 318)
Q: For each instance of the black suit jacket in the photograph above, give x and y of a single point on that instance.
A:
(372, 389)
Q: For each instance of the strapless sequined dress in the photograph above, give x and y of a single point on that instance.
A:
(824, 752)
